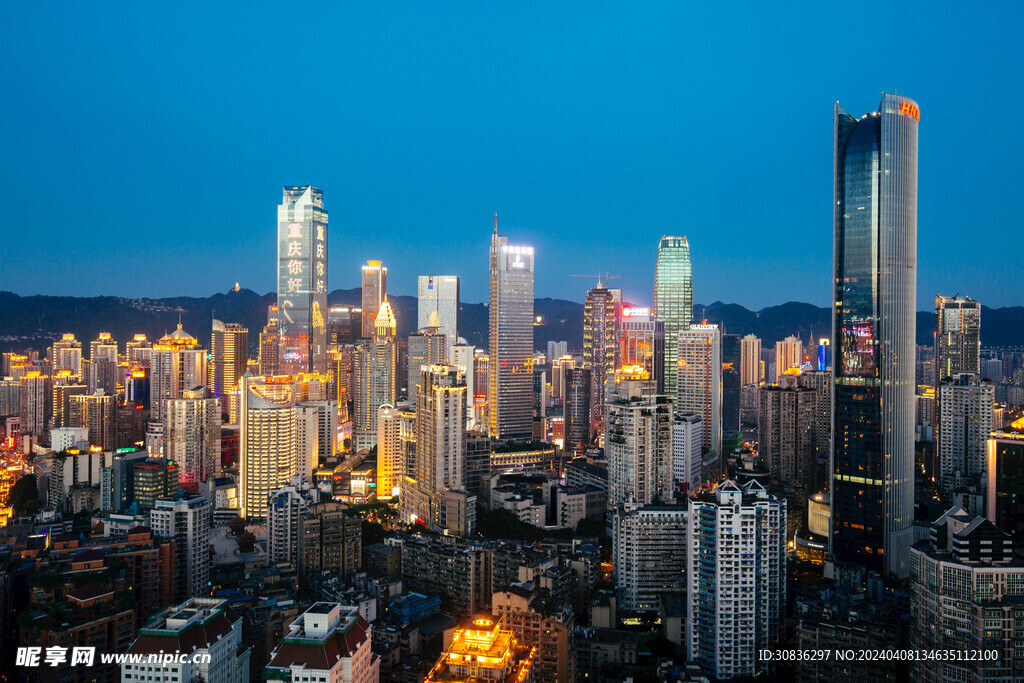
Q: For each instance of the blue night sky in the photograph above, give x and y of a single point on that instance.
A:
(145, 144)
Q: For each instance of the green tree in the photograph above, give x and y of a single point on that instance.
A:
(24, 496)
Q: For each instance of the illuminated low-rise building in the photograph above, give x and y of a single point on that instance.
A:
(484, 651)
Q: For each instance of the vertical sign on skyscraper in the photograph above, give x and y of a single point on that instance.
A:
(302, 280)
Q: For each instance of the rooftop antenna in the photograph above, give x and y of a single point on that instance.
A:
(495, 223)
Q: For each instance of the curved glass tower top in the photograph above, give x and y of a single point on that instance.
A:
(875, 267)
(673, 299)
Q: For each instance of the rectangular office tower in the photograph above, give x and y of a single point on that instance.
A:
(302, 281)
(874, 327)
(699, 379)
(374, 292)
(438, 305)
(511, 347)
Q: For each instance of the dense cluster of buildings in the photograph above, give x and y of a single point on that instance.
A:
(339, 502)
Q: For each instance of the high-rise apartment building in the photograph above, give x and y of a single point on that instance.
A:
(957, 337)
(178, 364)
(440, 456)
(648, 554)
(268, 441)
(750, 360)
(302, 281)
(699, 383)
(330, 539)
(966, 592)
(285, 507)
(638, 444)
(192, 436)
(316, 436)
(821, 382)
(344, 325)
(98, 413)
(428, 346)
(439, 296)
(104, 347)
(510, 395)
(786, 434)
(875, 276)
(188, 522)
(687, 447)
(601, 345)
(463, 356)
(673, 299)
(36, 405)
(375, 378)
(66, 354)
(966, 405)
(789, 354)
(269, 361)
(138, 350)
(957, 347)
(390, 463)
(643, 344)
(229, 349)
(374, 293)
(63, 414)
(578, 402)
(735, 579)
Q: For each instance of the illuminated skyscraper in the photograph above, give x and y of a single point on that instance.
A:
(36, 406)
(375, 292)
(192, 436)
(267, 442)
(229, 346)
(302, 281)
(874, 325)
(643, 344)
(178, 364)
(268, 358)
(439, 294)
(67, 355)
(96, 412)
(789, 354)
(673, 299)
(390, 464)
(511, 339)
(699, 386)
(138, 350)
(601, 346)
(638, 444)
(428, 346)
(957, 347)
(439, 462)
(375, 378)
(750, 362)
(578, 404)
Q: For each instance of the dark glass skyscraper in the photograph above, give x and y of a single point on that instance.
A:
(302, 281)
(875, 267)
(731, 359)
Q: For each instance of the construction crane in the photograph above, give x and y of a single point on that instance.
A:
(606, 276)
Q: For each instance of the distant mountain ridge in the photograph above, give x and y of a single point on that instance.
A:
(36, 321)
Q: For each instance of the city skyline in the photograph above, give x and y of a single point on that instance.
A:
(607, 212)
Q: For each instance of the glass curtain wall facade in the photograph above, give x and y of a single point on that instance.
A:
(673, 298)
(302, 281)
(510, 397)
(875, 266)
(439, 294)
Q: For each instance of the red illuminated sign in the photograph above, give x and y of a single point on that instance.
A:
(910, 109)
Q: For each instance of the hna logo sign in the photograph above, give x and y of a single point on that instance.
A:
(910, 109)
